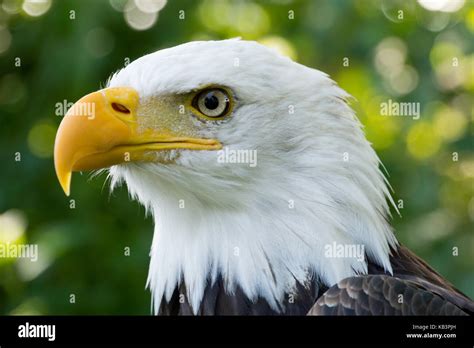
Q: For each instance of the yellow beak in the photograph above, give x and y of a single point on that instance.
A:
(100, 130)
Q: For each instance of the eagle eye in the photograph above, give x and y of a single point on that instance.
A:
(212, 102)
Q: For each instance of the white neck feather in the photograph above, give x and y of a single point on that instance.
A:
(263, 237)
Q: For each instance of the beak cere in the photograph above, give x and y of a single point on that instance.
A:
(101, 130)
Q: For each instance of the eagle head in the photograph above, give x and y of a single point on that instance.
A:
(251, 165)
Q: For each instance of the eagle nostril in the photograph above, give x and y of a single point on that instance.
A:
(120, 108)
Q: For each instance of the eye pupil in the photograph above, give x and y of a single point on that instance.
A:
(210, 101)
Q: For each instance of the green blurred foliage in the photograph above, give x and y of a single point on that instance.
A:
(370, 48)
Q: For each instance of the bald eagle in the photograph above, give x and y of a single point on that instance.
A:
(301, 229)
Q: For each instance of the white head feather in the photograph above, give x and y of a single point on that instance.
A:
(237, 220)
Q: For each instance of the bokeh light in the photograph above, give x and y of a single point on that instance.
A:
(138, 19)
(11, 6)
(150, 6)
(442, 5)
(118, 5)
(404, 81)
(447, 60)
(470, 19)
(389, 59)
(449, 123)
(435, 21)
(30, 270)
(279, 44)
(380, 130)
(5, 39)
(31, 306)
(12, 226)
(397, 10)
(468, 69)
(41, 139)
(390, 55)
(422, 140)
(36, 8)
(232, 18)
(12, 230)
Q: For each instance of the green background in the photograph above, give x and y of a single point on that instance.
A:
(416, 55)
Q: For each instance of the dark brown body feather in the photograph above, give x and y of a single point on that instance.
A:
(413, 289)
